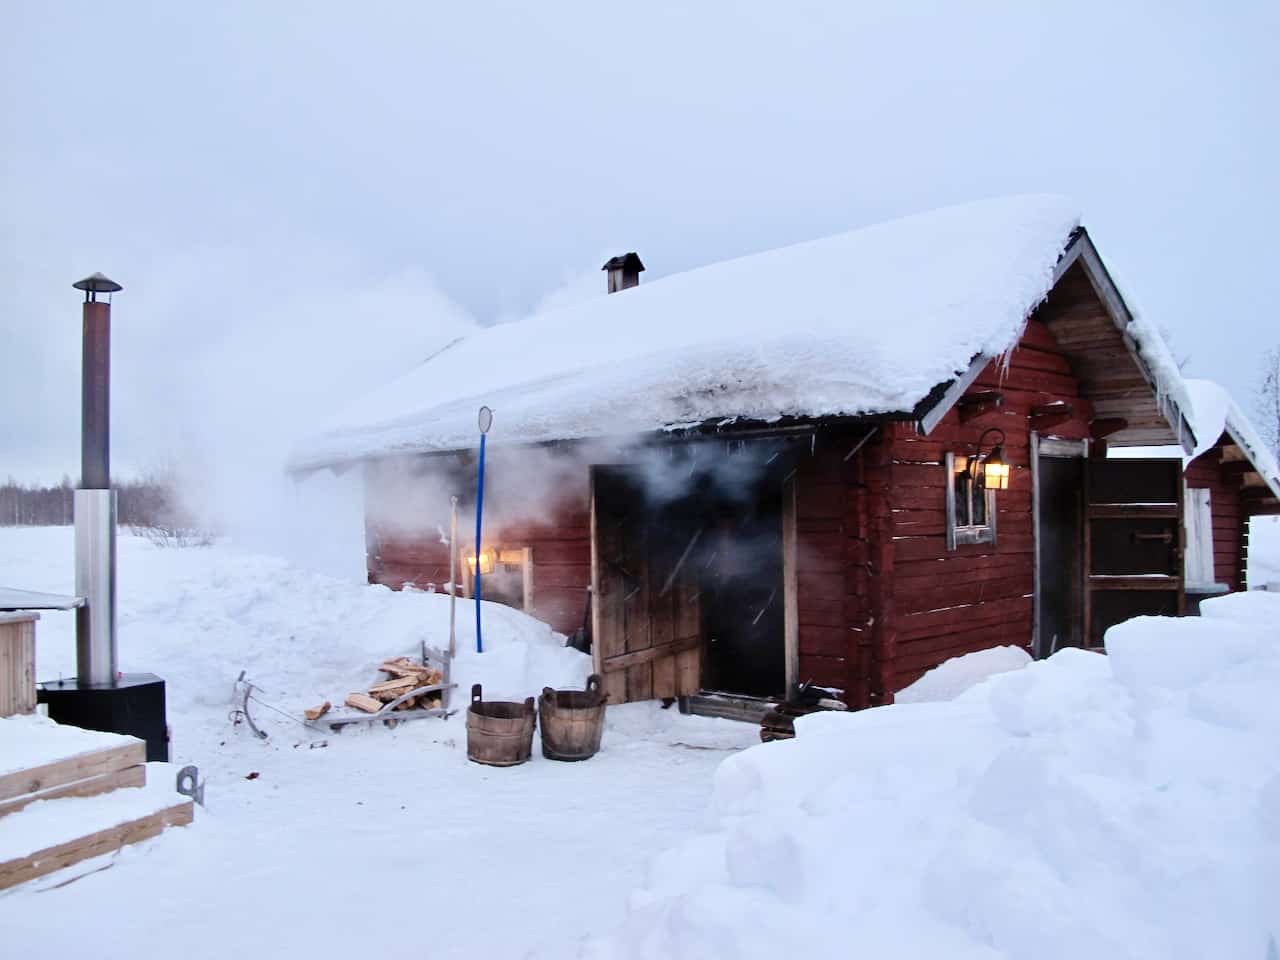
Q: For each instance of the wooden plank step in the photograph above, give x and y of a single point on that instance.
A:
(135, 776)
(80, 766)
(109, 840)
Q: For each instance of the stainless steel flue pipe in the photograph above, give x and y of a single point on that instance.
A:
(95, 501)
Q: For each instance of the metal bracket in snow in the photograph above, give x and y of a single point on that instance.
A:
(189, 784)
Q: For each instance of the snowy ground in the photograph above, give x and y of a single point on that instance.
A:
(385, 839)
(1264, 552)
(1117, 806)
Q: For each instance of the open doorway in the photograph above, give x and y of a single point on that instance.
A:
(1059, 508)
(741, 579)
(689, 581)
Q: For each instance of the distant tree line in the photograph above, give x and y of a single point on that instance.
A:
(141, 503)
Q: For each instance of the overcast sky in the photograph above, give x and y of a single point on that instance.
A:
(301, 200)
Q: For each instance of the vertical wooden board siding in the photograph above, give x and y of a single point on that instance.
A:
(17, 664)
(596, 666)
(663, 623)
(607, 605)
(790, 589)
(1228, 516)
(636, 612)
(688, 623)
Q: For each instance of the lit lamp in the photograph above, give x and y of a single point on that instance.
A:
(486, 559)
(995, 471)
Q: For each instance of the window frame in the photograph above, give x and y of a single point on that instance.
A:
(526, 573)
(960, 534)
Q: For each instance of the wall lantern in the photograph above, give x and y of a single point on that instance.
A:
(994, 469)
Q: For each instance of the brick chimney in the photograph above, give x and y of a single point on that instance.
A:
(624, 271)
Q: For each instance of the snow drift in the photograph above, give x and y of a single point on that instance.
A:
(1086, 806)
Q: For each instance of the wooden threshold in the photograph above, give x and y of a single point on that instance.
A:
(728, 706)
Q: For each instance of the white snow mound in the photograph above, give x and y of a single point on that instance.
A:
(953, 677)
(1085, 806)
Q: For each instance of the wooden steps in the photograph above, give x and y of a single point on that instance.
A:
(69, 770)
(100, 842)
(90, 802)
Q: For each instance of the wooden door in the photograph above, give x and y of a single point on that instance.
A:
(1134, 539)
(646, 619)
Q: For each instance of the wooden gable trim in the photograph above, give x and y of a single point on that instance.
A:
(1271, 483)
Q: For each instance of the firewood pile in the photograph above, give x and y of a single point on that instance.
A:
(404, 675)
(780, 722)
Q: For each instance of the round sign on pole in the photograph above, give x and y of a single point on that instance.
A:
(486, 419)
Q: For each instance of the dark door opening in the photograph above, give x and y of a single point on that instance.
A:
(1060, 554)
(689, 575)
(741, 578)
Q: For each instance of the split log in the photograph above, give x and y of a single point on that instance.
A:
(390, 689)
(401, 667)
(362, 701)
(315, 713)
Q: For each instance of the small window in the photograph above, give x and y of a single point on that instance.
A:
(506, 575)
(971, 507)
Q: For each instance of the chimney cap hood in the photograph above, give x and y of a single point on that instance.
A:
(99, 283)
(628, 261)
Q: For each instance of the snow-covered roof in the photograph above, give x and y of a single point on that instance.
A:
(866, 322)
(1215, 413)
(1212, 412)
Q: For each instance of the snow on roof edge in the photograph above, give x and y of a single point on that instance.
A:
(905, 305)
(1217, 413)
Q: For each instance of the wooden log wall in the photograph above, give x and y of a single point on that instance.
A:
(1229, 517)
(560, 546)
(945, 603)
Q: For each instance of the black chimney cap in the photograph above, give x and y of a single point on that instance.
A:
(628, 261)
(97, 283)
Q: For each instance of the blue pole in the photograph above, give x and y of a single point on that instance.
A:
(479, 512)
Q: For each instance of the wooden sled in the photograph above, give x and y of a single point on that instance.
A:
(388, 713)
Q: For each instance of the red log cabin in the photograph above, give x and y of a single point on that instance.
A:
(842, 462)
(1229, 478)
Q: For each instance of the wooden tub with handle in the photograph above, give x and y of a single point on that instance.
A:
(499, 732)
(572, 721)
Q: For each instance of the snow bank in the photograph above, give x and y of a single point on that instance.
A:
(199, 616)
(953, 677)
(864, 322)
(1264, 553)
(1108, 806)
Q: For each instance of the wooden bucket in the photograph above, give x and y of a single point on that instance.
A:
(500, 732)
(572, 721)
